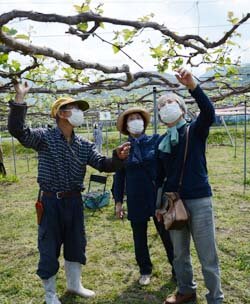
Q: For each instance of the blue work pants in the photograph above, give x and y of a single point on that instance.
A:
(62, 224)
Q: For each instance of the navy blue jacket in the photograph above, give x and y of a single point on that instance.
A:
(195, 181)
(139, 180)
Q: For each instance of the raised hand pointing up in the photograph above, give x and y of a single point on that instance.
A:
(21, 91)
(185, 77)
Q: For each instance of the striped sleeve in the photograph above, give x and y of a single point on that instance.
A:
(29, 138)
(101, 162)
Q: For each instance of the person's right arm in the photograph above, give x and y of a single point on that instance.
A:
(108, 164)
(30, 138)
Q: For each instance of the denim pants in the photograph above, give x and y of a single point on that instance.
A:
(201, 228)
(62, 224)
(141, 245)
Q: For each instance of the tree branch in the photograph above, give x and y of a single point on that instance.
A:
(186, 40)
(29, 49)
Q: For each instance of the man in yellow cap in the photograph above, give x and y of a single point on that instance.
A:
(63, 157)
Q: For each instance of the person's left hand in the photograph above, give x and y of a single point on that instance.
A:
(185, 77)
(119, 212)
(123, 150)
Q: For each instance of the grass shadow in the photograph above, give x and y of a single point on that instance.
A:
(133, 294)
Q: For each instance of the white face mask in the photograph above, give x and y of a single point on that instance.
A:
(76, 119)
(135, 126)
(170, 112)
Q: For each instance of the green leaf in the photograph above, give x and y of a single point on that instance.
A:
(39, 56)
(230, 14)
(158, 52)
(3, 58)
(85, 9)
(101, 25)
(163, 66)
(77, 8)
(234, 20)
(146, 18)
(99, 9)
(221, 60)
(171, 52)
(127, 34)
(231, 70)
(230, 42)
(115, 48)
(179, 62)
(217, 75)
(16, 65)
(5, 29)
(83, 26)
(85, 79)
(231, 18)
(22, 36)
(9, 31)
(219, 50)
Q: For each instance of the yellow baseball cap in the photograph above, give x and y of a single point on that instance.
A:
(82, 104)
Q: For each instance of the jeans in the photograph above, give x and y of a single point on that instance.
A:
(201, 228)
(141, 245)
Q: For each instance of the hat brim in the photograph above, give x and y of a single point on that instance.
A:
(120, 124)
(82, 104)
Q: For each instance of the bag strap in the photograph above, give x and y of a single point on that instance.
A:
(184, 159)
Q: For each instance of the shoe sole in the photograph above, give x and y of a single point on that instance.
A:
(69, 291)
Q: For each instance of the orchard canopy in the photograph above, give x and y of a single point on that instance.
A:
(53, 73)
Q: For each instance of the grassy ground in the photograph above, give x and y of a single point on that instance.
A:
(111, 269)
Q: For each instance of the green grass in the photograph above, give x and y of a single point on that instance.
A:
(111, 269)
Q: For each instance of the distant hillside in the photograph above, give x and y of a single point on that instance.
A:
(244, 78)
(244, 74)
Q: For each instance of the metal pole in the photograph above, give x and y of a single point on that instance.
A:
(87, 125)
(155, 110)
(227, 130)
(245, 145)
(27, 158)
(119, 111)
(14, 154)
(235, 136)
(106, 137)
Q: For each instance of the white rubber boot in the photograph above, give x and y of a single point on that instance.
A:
(73, 276)
(50, 291)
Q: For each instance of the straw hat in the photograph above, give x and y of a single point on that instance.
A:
(82, 104)
(121, 123)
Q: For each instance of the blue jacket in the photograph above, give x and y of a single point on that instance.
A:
(138, 177)
(195, 180)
